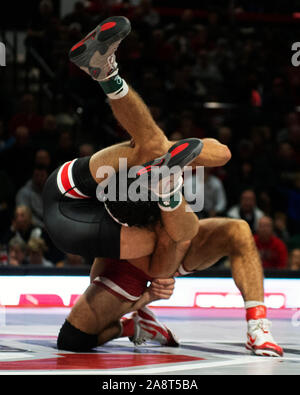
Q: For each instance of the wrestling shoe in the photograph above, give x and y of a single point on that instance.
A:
(166, 183)
(148, 328)
(95, 54)
(260, 340)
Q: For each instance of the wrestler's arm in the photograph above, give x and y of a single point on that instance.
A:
(181, 224)
(167, 255)
(159, 289)
(213, 154)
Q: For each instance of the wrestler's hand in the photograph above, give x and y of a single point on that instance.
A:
(161, 288)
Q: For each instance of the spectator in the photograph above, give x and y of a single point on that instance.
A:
(240, 177)
(145, 14)
(278, 101)
(280, 227)
(19, 170)
(6, 201)
(86, 149)
(6, 141)
(294, 263)
(42, 30)
(17, 250)
(291, 120)
(292, 203)
(66, 149)
(27, 115)
(43, 158)
(286, 163)
(247, 209)
(22, 226)
(36, 250)
(80, 17)
(72, 260)
(31, 194)
(207, 71)
(225, 135)
(48, 136)
(294, 242)
(187, 127)
(273, 251)
(214, 193)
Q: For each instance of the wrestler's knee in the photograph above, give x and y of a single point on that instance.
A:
(73, 339)
(241, 226)
(239, 233)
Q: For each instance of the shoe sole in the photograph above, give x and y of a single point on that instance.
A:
(263, 352)
(173, 342)
(180, 154)
(105, 39)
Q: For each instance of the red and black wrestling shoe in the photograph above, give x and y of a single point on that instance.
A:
(95, 54)
(163, 175)
(147, 328)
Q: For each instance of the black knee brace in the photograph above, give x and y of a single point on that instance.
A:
(73, 339)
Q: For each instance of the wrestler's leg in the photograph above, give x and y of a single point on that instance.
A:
(96, 311)
(150, 141)
(134, 116)
(219, 237)
(95, 55)
(113, 331)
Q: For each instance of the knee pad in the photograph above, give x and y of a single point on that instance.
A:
(73, 339)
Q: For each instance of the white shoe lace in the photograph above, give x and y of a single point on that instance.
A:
(261, 323)
(261, 327)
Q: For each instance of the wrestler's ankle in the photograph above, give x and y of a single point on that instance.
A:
(255, 309)
(115, 87)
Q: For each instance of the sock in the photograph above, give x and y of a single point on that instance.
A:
(255, 310)
(114, 87)
(127, 327)
(171, 203)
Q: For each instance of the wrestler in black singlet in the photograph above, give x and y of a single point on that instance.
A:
(80, 226)
(78, 223)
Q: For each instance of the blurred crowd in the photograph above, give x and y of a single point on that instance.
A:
(209, 76)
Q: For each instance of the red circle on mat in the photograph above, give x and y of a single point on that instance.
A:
(107, 26)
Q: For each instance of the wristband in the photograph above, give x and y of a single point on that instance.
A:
(171, 203)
